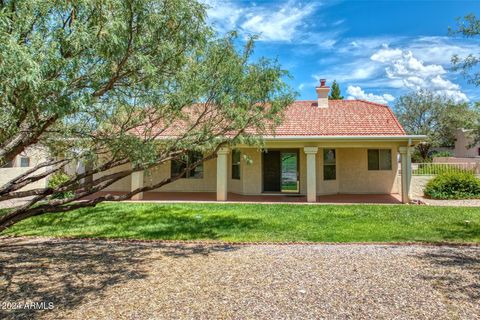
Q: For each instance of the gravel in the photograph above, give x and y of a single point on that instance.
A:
(123, 280)
(453, 203)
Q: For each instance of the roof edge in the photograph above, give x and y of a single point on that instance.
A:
(384, 138)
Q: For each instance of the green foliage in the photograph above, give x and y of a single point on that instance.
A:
(99, 82)
(438, 117)
(335, 93)
(453, 185)
(259, 222)
(469, 27)
(55, 181)
(444, 153)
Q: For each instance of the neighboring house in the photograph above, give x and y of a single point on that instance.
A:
(21, 164)
(322, 147)
(464, 147)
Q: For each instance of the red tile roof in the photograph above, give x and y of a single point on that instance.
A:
(341, 118)
(304, 118)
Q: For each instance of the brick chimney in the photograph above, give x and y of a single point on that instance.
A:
(322, 94)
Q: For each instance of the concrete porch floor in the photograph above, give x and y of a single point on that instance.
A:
(280, 198)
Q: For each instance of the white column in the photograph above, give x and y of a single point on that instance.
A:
(222, 174)
(137, 182)
(406, 165)
(311, 153)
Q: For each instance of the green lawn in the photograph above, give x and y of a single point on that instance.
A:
(259, 222)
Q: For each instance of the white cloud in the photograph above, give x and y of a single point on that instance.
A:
(386, 54)
(285, 21)
(223, 15)
(416, 74)
(355, 92)
(277, 25)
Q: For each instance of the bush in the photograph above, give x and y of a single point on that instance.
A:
(444, 153)
(453, 185)
(56, 180)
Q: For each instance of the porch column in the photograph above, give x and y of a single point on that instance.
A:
(137, 182)
(406, 165)
(222, 174)
(311, 153)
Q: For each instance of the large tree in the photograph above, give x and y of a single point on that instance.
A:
(469, 27)
(427, 113)
(124, 86)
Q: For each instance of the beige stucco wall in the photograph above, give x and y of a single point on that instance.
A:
(205, 184)
(354, 176)
(252, 171)
(37, 155)
(417, 185)
(463, 140)
(352, 172)
(122, 185)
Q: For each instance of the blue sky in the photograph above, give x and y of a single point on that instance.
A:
(376, 50)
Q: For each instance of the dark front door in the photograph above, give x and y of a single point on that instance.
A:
(271, 171)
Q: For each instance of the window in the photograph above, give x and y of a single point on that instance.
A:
(329, 164)
(236, 164)
(24, 162)
(379, 159)
(179, 165)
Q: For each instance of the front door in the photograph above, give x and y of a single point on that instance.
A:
(271, 171)
(280, 171)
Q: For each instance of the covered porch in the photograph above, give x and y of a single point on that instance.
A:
(301, 178)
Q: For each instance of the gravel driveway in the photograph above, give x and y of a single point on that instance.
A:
(122, 280)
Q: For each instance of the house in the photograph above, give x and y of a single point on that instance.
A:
(323, 147)
(23, 162)
(464, 147)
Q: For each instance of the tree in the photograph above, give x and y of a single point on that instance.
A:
(468, 26)
(122, 86)
(335, 93)
(427, 113)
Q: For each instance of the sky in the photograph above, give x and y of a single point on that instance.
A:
(375, 50)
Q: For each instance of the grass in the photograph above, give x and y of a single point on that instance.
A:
(260, 222)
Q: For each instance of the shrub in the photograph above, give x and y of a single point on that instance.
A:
(453, 185)
(56, 180)
(444, 153)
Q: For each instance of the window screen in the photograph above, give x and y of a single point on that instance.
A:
(329, 164)
(236, 164)
(379, 159)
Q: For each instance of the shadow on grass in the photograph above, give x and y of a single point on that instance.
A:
(465, 231)
(160, 222)
(455, 272)
(67, 273)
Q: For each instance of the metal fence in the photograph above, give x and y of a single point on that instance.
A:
(426, 169)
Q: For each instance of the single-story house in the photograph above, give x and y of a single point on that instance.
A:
(323, 147)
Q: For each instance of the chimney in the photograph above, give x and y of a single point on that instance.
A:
(322, 94)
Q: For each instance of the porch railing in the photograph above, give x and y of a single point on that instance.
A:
(424, 169)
